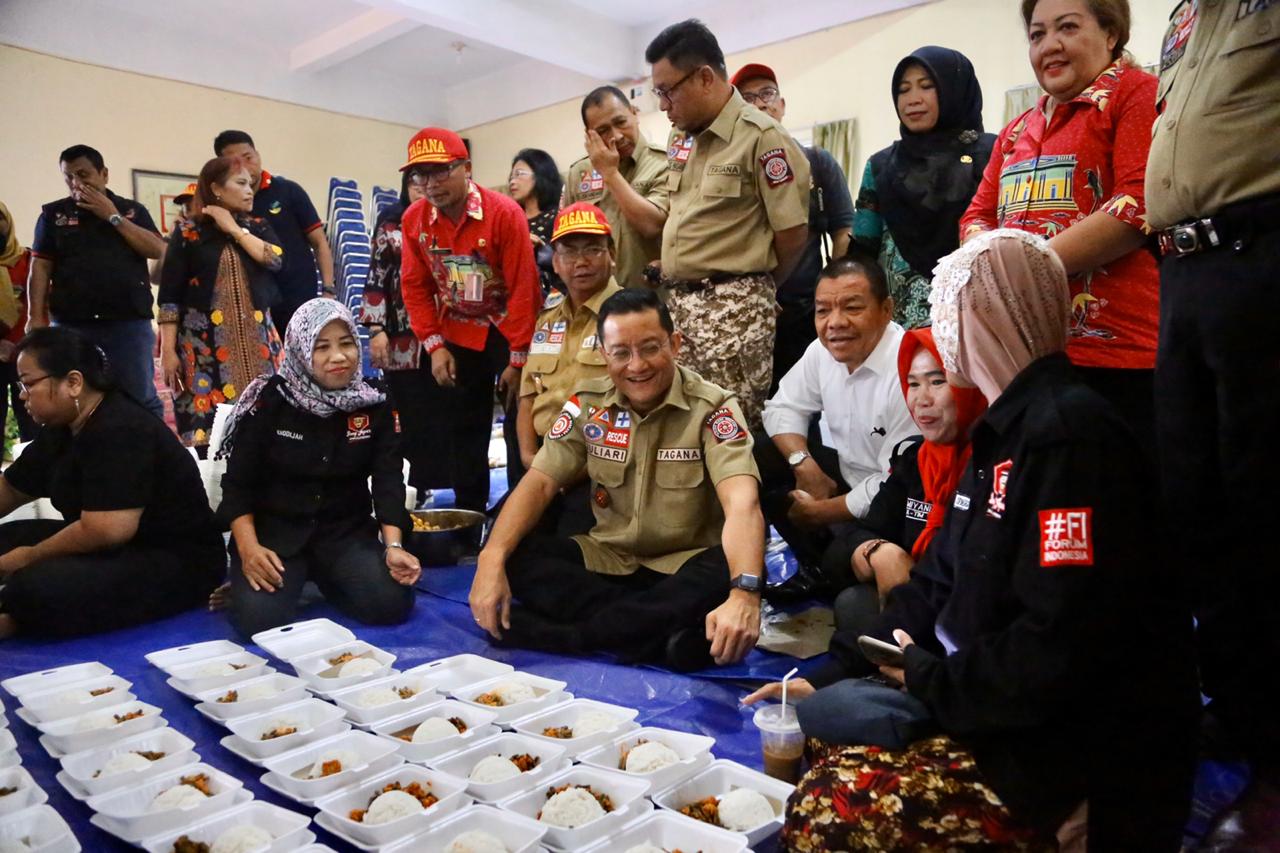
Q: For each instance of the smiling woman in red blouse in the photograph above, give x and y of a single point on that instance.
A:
(1072, 169)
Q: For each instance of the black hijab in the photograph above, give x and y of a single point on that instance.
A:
(394, 212)
(923, 182)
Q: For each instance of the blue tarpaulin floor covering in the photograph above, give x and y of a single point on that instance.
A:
(441, 625)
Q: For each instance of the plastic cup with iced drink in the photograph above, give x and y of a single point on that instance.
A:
(781, 741)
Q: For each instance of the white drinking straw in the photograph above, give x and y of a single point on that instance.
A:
(785, 679)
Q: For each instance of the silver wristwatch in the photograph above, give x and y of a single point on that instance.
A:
(796, 458)
(115, 219)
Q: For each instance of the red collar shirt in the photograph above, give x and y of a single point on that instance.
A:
(1046, 175)
(458, 278)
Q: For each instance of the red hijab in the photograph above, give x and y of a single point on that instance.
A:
(940, 464)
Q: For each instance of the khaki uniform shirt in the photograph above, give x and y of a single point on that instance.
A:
(653, 478)
(730, 188)
(1219, 95)
(646, 172)
(563, 354)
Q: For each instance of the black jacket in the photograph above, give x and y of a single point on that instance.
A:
(899, 510)
(1050, 635)
(191, 267)
(305, 477)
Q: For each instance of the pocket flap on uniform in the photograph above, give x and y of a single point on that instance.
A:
(722, 186)
(542, 363)
(1263, 29)
(679, 475)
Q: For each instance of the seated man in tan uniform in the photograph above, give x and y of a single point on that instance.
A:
(673, 568)
(564, 353)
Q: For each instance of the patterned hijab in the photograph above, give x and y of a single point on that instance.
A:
(999, 302)
(297, 383)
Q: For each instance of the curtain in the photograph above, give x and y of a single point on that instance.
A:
(840, 139)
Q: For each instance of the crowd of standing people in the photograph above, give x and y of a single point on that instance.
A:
(1006, 403)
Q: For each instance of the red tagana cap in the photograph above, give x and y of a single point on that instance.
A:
(435, 145)
(753, 71)
(580, 218)
(189, 192)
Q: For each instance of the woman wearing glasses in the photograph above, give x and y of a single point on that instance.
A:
(137, 541)
(535, 184)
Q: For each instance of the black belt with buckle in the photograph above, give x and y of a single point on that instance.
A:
(693, 285)
(1231, 226)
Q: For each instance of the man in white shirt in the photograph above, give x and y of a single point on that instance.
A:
(850, 376)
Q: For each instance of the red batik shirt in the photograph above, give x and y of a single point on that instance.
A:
(1091, 156)
(457, 278)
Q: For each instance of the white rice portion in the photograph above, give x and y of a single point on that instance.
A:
(593, 721)
(359, 666)
(493, 768)
(476, 841)
(345, 757)
(123, 763)
(242, 839)
(263, 690)
(433, 728)
(177, 797)
(392, 805)
(571, 808)
(651, 756)
(743, 809)
(215, 670)
(376, 697)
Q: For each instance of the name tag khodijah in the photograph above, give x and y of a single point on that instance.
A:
(290, 434)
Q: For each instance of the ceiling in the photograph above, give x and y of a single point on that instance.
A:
(417, 62)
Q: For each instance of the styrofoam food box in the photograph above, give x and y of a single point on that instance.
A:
(43, 828)
(566, 714)
(8, 750)
(47, 679)
(130, 809)
(517, 833)
(548, 692)
(479, 727)
(28, 794)
(187, 678)
(288, 829)
(302, 639)
(622, 790)
(291, 689)
(337, 807)
(314, 719)
(177, 657)
(177, 747)
(672, 832)
(720, 777)
(45, 706)
(694, 752)
(376, 755)
(347, 698)
(317, 671)
(460, 765)
(65, 737)
(457, 671)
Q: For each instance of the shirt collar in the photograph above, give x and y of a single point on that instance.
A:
(474, 208)
(1099, 92)
(728, 117)
(593, 304)
(883, 360)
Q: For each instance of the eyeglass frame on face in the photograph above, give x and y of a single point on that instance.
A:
(762, 98)
(590, 253)
(420, 177)
(665, 94)
(647, 351)
(519, 173)
(28, 386)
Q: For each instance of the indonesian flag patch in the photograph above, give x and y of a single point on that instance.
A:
(724, 426)
(776, 169)
(1066, 537)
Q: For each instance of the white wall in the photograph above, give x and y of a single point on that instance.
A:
(141, 122)
(838, 73)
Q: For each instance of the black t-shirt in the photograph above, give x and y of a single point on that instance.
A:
(830, 209)
(124, 458)
(289, 211)
(96, 274)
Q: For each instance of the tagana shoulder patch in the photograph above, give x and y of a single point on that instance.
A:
(724, 426)
(776, 168)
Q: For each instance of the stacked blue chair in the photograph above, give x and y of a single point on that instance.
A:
(349, 243)
(382, 198)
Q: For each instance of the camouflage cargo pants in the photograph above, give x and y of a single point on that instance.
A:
(728, 331)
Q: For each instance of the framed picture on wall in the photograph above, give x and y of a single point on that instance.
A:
(156, 192)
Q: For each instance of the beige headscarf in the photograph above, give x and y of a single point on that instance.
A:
(10, 254)
(999, 302)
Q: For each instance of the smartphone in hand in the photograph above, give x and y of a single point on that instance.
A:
(881, 653)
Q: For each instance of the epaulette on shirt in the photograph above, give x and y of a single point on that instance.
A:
(598, 385)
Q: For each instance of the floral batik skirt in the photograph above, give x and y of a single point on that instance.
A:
(929, 796)
(222, 351)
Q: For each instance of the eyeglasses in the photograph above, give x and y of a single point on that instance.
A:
(665, 93)
(422, 177)
(762, 98)
(29, 384)
(620, 356)
(519, 173)
(591, 253)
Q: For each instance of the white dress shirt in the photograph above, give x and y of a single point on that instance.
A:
(863, 410)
